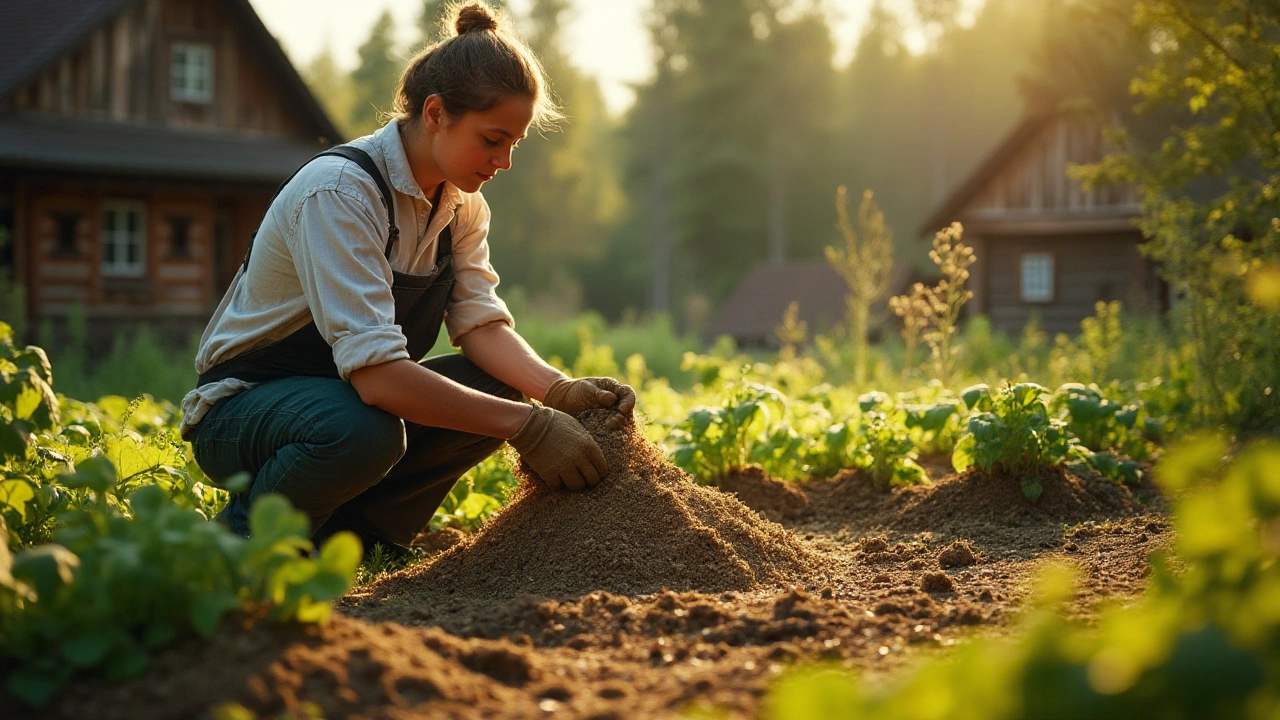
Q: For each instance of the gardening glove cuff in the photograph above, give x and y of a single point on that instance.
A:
(559, 450)
(575, 396)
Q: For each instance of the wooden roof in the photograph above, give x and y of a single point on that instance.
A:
(41, 142)
(755, 309)
(949, 210)
(37, 33)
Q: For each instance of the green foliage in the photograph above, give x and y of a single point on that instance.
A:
(479, 494)
(373, 81)
(1016, 436)
(1208, 189)
(888, 452)
(1101, 424)
(1202, 642)
(123, 580)
(714, 440)
(115, 555)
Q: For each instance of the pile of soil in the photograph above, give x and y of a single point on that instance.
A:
(976, 506)
(645, 527)
(774, 499)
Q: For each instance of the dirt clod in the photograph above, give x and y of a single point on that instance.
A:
(936, 583)
(957, 554)
(773, 499)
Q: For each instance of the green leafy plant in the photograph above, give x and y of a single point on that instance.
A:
(1015, 437)
(713, 440)
(888, 453)
(1101, 424)
(122, 581)
(934, 427)
(478, 495)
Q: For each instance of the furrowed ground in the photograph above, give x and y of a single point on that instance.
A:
(650, 595)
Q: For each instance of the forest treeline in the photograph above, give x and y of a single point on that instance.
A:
(732, 152)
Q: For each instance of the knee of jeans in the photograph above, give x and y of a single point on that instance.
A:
(374, 439)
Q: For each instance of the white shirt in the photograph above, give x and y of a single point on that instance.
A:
(318, 255)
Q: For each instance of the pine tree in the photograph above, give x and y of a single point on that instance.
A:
(375, 77)
(332, 87)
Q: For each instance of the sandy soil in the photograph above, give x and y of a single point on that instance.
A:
(649, 594)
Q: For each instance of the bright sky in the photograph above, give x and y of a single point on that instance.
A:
(606, 38)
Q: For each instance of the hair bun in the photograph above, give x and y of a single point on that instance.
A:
(475, 17)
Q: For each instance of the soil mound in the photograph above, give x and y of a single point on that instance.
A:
(646, 527)
(974, 504)
(346, 668)
(774, 499)
(982, 499)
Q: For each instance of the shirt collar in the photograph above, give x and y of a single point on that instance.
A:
(401, 177)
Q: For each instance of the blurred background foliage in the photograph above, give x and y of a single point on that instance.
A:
(734, 146)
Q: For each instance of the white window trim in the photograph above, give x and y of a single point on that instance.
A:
(121, 267)
(182, 77)
(1034, 292)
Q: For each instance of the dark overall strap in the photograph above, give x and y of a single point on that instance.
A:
(361, 158)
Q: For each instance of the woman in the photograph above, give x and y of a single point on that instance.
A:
(309, 372)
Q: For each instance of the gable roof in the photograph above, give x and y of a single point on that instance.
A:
(39, 32)
(948, 210)
(755, 309)
(41, 142)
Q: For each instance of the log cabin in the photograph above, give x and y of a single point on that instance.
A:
(1044, 246)
(140, 144)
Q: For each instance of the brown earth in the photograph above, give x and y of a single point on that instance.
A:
(649, 594)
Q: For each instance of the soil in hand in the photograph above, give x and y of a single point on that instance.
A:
(646, 527)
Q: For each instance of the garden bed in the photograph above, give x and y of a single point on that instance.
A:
(650, 593)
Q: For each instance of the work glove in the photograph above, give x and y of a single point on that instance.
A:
(574, 396)
(559, 450)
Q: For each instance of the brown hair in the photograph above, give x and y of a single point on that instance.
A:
(480, 62)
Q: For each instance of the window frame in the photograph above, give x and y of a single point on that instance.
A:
(182, 77)
(120, 238)
(1025, 289)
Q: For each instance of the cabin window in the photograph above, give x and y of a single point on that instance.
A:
(191, 73)
(66, 227)
(1037, 277)
(124, 240)
(179, 236)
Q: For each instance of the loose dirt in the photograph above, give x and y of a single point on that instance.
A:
(649, 594)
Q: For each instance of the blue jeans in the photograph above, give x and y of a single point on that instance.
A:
(347, 465)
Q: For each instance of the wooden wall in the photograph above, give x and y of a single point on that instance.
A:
(176, 283)
(121, 73)
(1087, 269)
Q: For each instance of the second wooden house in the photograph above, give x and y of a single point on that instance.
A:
(1044, 246)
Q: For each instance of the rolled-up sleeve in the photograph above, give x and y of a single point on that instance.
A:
(475, 301)
(337, 244)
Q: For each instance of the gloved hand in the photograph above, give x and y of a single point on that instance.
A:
(574, 396)
(561, 452)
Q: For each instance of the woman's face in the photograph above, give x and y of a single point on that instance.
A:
(471, 149)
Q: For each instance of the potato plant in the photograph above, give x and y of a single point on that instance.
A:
(1012, 433)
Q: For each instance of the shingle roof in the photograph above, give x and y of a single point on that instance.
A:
(37, 32)
(93, 146)
(755, 309)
